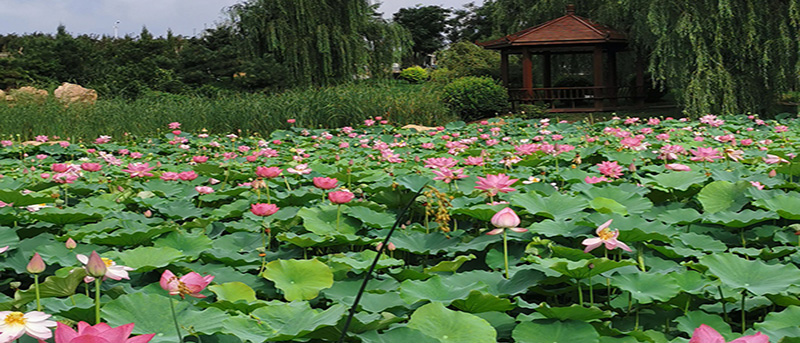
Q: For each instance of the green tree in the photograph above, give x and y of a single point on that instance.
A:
(719, 56)
(427, 25)
(319, 41)
(471, 23)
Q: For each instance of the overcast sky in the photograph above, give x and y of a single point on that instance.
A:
(184, 17)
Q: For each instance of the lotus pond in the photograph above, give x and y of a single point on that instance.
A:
(528, 231)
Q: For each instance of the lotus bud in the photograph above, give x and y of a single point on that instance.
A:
(506, 218)
(70, 244)
(36, 265)
(96, 267)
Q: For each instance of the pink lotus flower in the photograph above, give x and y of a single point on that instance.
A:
(59, 167)
(705, 154)
(440, 162)
(70, 243)
(268, 172)
(174, 125)
(300, 169)
(170, 176)
(607, 237)
(340, 197)
(291, 121)
(610, 169)
(772, 159)
(199, 159)
(494, 184)
(3, 249)
(325, 182)
(204, 189)
(706, 334)
(448, 175)
(757, 184)
(677, 167)
(263, 210)
(91, 167)
(505, 219)
(14, 324)
(190, 284)
(139, 169)
(100, 333)
(113, 270)
(595, 179)
(102, 140)
(187, 175)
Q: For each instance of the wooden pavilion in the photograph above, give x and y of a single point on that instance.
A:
(570, 34)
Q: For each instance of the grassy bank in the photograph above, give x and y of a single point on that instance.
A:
(327, 107)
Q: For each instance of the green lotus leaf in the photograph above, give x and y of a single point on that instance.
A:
(562, 228)
(422, 243)
(399, 334)
(581, 269)
(557, 206)
(447, 326)
(478, 302)
(753, 275)
(647, 287)
(627, 195)
(233, 291)
(778, 325)
(435, 289)
(723, 196)
(189, 244)
(450, 266)
(554, 331)
(282, 321)
(144, 259)
(147, 311)
(787, 206)
(677, 180)
(178, 209)
(20, 200)
(53, 286)
(680, 216)
(693, 319)
(370, 217)
(739, 219)
(362, 260)
(64, 216)
(299, 279)
(702, 242)
(606, 205)
(413, 182)
(322, 221)
(573, 312)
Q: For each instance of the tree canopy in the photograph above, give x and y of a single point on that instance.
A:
(719, 56)
(427, 25)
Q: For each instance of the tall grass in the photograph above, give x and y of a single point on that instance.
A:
(328, 107)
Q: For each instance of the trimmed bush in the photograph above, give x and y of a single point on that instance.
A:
(415, 74)
(473, 98)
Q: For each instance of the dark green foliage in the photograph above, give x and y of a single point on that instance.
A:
(472, 23)
(468, 59)
(222, 110)
(427, 25)
(415, 74)
(474, 98)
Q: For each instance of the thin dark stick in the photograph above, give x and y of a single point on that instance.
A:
(375, 263)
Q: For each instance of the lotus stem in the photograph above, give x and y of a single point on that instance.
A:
(744, 294)
(722, 297)
(640, 257)
(580, 292)
(505, 252)
(97, 282)
(36, 287)
(175, 319)
(338, 215)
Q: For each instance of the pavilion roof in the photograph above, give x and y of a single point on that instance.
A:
(567, 30)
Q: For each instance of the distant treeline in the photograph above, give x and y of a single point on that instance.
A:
(256, 50)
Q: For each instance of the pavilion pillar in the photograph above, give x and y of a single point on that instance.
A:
(597, 61)
(546, 70)
(612, 77)
(639, 92)
(504, 67)
(527, 73)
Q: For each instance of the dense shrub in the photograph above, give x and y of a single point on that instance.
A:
(415, 74)
(473, 97)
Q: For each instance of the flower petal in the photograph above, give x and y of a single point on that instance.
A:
(706, 334)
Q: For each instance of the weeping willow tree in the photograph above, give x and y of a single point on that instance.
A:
(718, 56)
(319, 41)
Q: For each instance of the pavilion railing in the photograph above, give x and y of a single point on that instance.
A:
(569, 96)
